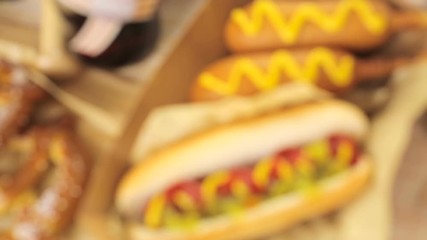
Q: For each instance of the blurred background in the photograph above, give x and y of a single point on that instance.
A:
(21, 23)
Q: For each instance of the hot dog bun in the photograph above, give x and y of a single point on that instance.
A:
(239, 144)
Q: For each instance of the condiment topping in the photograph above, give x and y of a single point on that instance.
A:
(230, 191)
(339, 70)
(289, 28)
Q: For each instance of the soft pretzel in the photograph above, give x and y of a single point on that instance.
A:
(17, 98)
(41, 195)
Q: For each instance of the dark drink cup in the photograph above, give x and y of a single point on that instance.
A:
(135, 41)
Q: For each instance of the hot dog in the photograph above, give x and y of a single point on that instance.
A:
(246, 74)
(249, 179)
(352, 24)
(43, 177)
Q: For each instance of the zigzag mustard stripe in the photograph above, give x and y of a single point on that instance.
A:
(283, 62)
(289, 29)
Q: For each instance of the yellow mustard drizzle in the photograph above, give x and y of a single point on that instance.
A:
(184, 201)
(290, 28)
(285, 171)
(240, 190)
(345, 152)
(339, 71)
(210, 187)
(319, 151)
(154, 212)
(262, 171)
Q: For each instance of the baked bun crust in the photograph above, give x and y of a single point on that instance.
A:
(240, 144)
